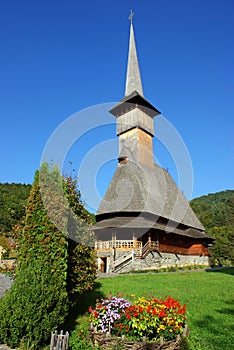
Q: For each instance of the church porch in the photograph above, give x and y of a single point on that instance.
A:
(152, 250)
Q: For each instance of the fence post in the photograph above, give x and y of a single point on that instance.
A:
(52, 341)
(161, 341)
(59, 342)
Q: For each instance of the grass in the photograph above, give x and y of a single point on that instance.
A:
(208, 295)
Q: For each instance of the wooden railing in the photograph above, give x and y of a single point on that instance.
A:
(103, 244)
(145, 249)
(118, 244)
(122, 260)
(154, 246)
(150, 246)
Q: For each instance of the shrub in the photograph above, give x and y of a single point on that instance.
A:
(81, 258)
(35, 305)
(81, 269)
(79, 338)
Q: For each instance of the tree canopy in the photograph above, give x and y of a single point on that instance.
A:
(12, 205)
(216, 212)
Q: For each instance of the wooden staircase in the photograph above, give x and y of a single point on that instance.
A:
(150, 246)
(138, 253)
(118, 264)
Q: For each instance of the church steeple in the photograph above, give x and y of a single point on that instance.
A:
(133, 78)
(135, 127)
(142, 202)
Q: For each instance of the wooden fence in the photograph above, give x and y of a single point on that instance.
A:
(59, 341)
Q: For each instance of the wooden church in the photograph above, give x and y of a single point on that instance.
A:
(144, 221)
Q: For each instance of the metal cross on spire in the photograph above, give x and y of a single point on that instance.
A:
(131, 16)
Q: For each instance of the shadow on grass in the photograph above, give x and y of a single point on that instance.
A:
(226, 270)
(209, 329)
(229, 310)
(218, 335)
(81, 304)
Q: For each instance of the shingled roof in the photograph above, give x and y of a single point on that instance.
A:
(141, 222)
(136, 188)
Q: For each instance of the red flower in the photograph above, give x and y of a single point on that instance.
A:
(128, 316)
(182, 310)
(162, 313)
(90, 309)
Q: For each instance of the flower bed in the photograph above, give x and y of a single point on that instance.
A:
(145, 324)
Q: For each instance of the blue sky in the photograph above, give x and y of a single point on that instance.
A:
(59, 57)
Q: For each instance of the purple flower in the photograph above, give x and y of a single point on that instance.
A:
(110, 310)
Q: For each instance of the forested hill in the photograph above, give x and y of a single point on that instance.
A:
(216, 212)
(216, 209)
(13, 198)
(12, 205)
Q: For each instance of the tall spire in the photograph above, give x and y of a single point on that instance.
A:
(133, 78)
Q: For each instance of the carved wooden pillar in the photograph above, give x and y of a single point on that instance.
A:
(113, 240)
(134, 241)
(149, 240)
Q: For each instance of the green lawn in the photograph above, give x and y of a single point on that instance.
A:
(209, 297)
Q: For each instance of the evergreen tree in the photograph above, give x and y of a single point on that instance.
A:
(222, 252)
(38, 303)
(54, 262)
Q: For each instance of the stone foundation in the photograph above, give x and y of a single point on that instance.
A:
(153, 260)
(164, 260)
